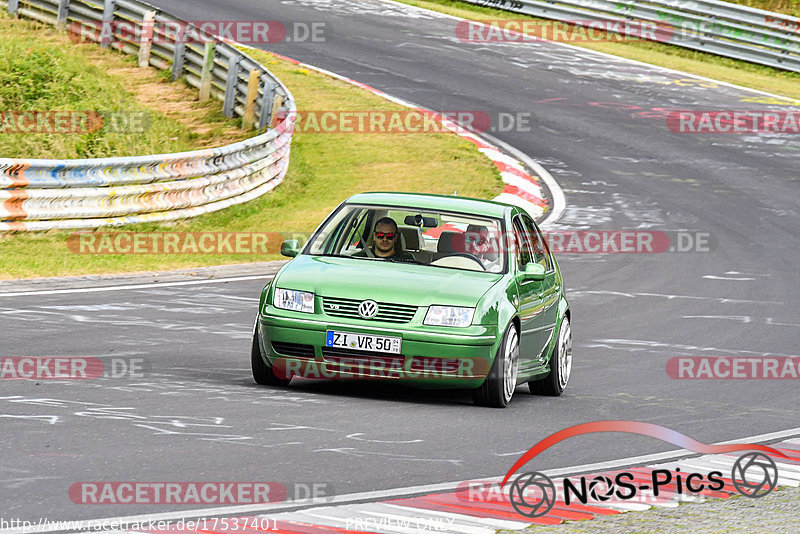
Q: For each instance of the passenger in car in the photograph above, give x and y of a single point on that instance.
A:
(478, 241)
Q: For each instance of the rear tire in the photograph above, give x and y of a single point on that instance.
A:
(555, 383)
(262, 373)
(498, 388)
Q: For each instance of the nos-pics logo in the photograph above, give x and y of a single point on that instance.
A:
(533, 494)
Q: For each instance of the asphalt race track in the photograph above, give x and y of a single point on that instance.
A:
(598, 125)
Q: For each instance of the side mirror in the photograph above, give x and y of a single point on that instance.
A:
(290, 248)
(533, 271)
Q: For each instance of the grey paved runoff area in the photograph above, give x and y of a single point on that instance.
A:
(597, 124)
(774, 513)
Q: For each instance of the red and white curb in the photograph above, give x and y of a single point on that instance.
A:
(522, 188)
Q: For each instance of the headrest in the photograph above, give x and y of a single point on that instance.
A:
(412, 237)
(450, 242)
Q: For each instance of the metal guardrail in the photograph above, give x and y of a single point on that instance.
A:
(40, 194)
(712, 26)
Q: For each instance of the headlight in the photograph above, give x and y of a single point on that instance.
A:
(301, 301)
(449, 316)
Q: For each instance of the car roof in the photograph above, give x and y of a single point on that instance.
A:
(428, 201)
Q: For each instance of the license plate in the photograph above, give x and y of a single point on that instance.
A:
(367, 342)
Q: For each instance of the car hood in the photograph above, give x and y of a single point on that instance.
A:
(384, 281)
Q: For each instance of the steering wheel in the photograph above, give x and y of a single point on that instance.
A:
(404, 260)
(472, 257)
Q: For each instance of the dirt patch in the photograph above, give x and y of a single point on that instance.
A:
(175, 100)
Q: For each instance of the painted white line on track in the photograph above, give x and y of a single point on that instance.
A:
(368, 496)
(150, 285)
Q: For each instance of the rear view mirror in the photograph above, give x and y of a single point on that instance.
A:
(420, 221)
(534, 271)
(290, 248)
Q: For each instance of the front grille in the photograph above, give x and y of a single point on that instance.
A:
(293, 349)
(362, 359)
(387, 312)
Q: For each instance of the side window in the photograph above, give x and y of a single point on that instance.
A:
(329, 242)
(539, 251)
(521, 242)
(548, 256)
(356, 237)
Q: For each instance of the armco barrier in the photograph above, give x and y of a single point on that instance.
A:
(40, 194)
(711, 26)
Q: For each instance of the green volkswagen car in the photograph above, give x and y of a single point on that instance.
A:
(428, 290)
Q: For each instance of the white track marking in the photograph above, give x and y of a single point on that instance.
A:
(52, 419)
(739, 318)
(722, 300)
(358, 437)
(151, 285)
(659, 344)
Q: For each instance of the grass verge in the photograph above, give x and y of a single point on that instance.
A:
(325, 169)
(42, 69)
(728, 70)
(789, 7)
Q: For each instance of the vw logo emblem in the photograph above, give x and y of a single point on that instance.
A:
(368, 309)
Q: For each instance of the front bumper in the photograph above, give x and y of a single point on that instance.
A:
(430, 357)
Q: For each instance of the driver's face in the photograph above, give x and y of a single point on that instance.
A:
(476, 242)
(385, 245)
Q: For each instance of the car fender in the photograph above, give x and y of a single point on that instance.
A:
(263, 298)
(563, 310)
(498, 307)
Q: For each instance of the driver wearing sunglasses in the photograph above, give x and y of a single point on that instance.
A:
(387, 243)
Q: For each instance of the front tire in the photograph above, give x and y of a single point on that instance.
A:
(262, 373)
(498, 388)
(555, 383)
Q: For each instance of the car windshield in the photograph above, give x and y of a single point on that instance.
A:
(437, 238)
